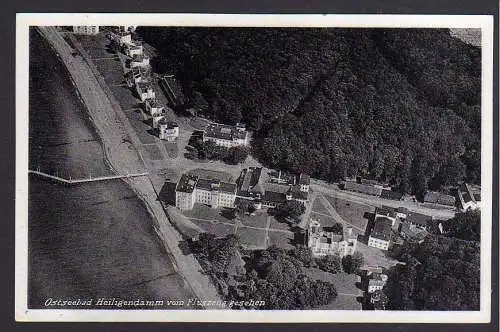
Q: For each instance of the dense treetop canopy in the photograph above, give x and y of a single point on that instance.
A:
(398, 105)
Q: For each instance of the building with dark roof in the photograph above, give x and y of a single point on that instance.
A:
(389, 194)
(226, 135)
(362, 188)
(192, 189)
(439, 198)
(168, 130)
(417, 219)
(380, 235)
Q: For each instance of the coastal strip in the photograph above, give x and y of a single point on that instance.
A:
(120, 149)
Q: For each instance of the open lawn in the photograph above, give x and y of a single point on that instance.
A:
(95, 45)
(111, 70)
(172, 149)
(215, 228)
(319, 207)
(344, 283)
(258, 220)
(211, 174)
(342, 302)
(252, 238)
(281, 240)
(201, 211)
(144, 132)
(125, 97)
(278, 225)
(153, 152)
(325, 221)
(353, 213)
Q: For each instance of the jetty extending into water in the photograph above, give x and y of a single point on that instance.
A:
(83, 180)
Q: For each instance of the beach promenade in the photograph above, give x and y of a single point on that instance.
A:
(119, 144)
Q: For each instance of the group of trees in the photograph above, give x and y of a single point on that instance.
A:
(290, 210)
(465, 225)
(210, 150)
(442, 273)
(396, 105)
(275, 276)
(215, 254)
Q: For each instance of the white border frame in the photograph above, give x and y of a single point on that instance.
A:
(23, 21)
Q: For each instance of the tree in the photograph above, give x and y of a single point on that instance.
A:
(243, 206)
(351, 264)
(330, 263)
(236, 155)
(304, 255)
(291, 209)
(465, 225)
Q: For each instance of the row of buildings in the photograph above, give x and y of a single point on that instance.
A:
(264, 189)
(468, 196)
(391, 224)
(140, 78)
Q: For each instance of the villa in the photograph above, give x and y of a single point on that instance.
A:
(192, 189)
(324, 241)
(226, 135)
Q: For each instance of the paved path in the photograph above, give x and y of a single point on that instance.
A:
(120, 144)
(239, 224)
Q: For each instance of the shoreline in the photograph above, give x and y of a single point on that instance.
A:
(113, 140)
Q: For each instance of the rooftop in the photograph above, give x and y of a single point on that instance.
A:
(226, 132)
(304, 179)
(213, 184)
(439, 198)
(382, 229)
(186, 183)
(418, 218)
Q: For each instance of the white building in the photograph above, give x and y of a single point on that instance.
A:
(86, 29)
(139, 61)
(380, 236)
(191, 189)
(134, 50)
(323, 241)
(168, 130)
(469, 197)
(377, 282)
(130, 28)
(226, 135)
(121, 38)
(145, 91)
(154, 107)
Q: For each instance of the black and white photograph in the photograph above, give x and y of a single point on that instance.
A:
(248, 168)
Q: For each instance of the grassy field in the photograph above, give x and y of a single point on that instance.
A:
(319, 207)
(258, 220)
(278, 225)
(211, 174)
(218, 229)
(153, 152)
(172, 149)
(252, 238)
(281, 240)
(201, 211)
(325, 221)
(111, 70)
(125, 97)
(144, 132)
(95, 45)
(353, 213)
(344, 283)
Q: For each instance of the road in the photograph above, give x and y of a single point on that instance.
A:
(330, 190)
(120, 144)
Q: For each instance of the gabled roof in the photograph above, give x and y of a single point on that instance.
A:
(382, 229)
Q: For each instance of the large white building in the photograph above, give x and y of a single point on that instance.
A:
(167, 130)
(140, 60)
(380, 236)
(192, 189)
(323, 241)
(86, 29)
(145, 91)
(225, 135)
